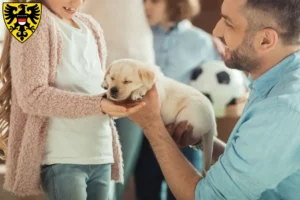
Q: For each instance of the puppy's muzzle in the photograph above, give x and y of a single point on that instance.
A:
(114, 92)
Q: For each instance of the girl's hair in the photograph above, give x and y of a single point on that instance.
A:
(178, 10)
(5, 91)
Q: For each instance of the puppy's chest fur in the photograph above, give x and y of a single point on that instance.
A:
(167, 116)
(173, 100)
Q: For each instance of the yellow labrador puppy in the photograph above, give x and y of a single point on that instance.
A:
(128, 78)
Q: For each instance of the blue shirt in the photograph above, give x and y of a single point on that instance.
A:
(182, 49)
(262, 156)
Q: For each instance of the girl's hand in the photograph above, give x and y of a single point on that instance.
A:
(114, 110)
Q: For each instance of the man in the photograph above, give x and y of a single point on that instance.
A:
(261, 159)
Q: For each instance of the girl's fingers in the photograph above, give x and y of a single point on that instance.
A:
(117, 109)
(122, 111)
(127, 108)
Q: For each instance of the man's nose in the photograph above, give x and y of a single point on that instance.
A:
(218, 32)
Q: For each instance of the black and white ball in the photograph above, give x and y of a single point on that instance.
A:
(222, 85)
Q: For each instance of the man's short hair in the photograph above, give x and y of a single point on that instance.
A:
(285, 14)
(178, 10)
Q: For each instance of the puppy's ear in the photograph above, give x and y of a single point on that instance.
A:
(147, 76)
(104, 83)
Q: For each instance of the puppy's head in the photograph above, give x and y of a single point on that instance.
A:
(125, 76)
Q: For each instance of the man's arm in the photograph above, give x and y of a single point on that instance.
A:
(256, 159)
(182, 135)
(183, 185)
(249, 166)
(181, 176)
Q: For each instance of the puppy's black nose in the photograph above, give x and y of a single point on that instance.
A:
(114, 91)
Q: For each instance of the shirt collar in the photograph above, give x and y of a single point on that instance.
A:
(265, 82)
(179, 27)
(183, 25)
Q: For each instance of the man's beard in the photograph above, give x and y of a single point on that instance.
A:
(244, 58)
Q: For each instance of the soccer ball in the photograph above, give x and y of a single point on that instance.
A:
(220, 84)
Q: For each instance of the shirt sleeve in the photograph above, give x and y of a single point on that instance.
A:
(263, 152)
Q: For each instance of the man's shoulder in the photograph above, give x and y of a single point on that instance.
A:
(287, 91)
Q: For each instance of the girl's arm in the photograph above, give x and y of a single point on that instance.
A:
(30, 69)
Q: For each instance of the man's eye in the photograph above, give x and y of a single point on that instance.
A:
(229, 25)
(112, 78)
(127, 82)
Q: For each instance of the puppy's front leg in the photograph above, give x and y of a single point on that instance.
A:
(139, 93)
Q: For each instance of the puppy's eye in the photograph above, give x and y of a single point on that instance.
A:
(127, 82)
(112, 78)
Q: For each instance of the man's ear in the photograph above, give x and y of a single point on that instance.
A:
(104, 83)
(147, 76)
(267, 39)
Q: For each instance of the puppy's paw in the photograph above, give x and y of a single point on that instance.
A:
(138, 94)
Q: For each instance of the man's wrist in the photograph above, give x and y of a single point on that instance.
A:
(153, 126)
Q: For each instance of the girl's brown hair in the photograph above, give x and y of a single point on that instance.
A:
(5, 90)
(182, 9)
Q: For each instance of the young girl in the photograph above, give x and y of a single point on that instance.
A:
(179, 48)
(61, 136)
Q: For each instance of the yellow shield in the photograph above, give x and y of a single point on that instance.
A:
(22, 19)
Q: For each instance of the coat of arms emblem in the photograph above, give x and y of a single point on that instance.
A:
(22, 19)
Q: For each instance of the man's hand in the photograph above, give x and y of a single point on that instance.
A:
(115, 110)
(149, 115)
(182, 134)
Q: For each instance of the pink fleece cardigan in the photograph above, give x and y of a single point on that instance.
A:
(34, 99)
